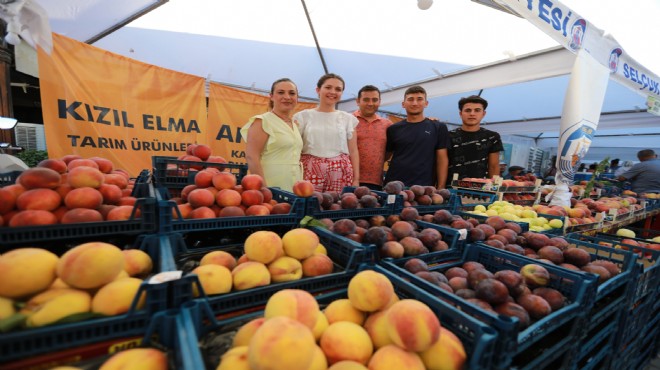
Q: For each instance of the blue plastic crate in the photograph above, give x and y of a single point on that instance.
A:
(32, 342)
(12, 237)
(389, 203)
(477, 338)
(8, 178)
(545, 342)
(646, 277)
(468, 199)
(171, 220)
(345, 253)
(170, 172)
(597, 345)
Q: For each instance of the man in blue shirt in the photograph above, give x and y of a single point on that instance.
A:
(645, 175)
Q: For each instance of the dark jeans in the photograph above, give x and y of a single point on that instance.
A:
(372, 186)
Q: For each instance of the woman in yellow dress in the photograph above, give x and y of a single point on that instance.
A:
(273, 141)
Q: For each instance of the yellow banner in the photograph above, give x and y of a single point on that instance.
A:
(96, 103)
(229, 110)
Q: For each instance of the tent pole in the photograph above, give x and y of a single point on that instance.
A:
(316, 41)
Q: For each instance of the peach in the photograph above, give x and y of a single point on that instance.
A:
(84, 197)
(281, 209)
(215, 279)
(217, 159)
(300, 243)
(319, 362)
(246, 332)
(249, 275)
(535, 275)
(235, 359)
(39, 199)
(347, 365)
(7, 201)
(90, 265)
(202, 212)
(56, 165)
(252, 197)
(228, 197)
(303, 188)
(376, 327)
(293, 303)
(69, 157)
(412, 325)
(201, 151)
(257, 210)
(111, 193)
(224, 180)
(370, 291)
(263, 246)
(189, 150)
(32, 218)
(184, 209)
(39, 177)
(26, 271)
(232, 211)
(105, 165)
(221, 258)
(78, 215)
(201, 198)
(281, 343)
(137, 262)
(144, 358)
(446, 353)
(345, 340)
(121, 213)
(317, 264)
(320, 326)
(393, 357)
(82, 162)
(342, 310)
(116, 297)
(252, 182)
(285, 269)
(52, 305)
(79, 177)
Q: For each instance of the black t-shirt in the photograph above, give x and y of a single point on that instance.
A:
(413, 147)
(468, 152)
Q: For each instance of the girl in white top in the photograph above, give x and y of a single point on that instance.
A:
(330, 155)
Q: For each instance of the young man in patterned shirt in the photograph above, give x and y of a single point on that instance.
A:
(474, 150)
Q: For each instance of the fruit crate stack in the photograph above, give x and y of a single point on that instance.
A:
(353, 202)
(523, 191)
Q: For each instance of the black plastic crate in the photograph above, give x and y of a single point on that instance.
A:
(546, 343)
(346, 254)
(171, 220)
(8, 178)
(170, 172)
(477, 338)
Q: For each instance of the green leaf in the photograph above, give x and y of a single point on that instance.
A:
(309, 221)
(11, 322)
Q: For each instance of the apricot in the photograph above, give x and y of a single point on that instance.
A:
(90, 265)
(137, 262)
(263, 246)
(116, 297)
(281, 343)
(285, 269)
(300, 243)
(370, 291)
(250, 275)
(26, 271)
(320, 326)
(235, 359)
(412, 325)
(215, 279)
(342, 310)
(52, 305)
(245, 333)
(137, 358)
(347, 365)
(293, 303)
(221, 258)
(376, 327)
(393, 357)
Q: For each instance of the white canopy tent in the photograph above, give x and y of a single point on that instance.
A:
(455, 48)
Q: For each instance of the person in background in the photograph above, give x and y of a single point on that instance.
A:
(644, 177)
(549, 174)
(330, 155)
(582, 168)
(371, 137)
(513, 171)
(273, 141)
(502, 168)
(474, 151)
(418, 145)
(626, 166)
(592, 167)
(614, 165)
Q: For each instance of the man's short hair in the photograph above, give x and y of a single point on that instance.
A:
(415, 90)
(368, 88)
(515, 168)
(472, 99)
(646, 153)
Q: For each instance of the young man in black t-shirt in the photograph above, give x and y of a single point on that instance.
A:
(474, 151)
(418, 145)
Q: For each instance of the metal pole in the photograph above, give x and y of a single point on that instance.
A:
(316, 41)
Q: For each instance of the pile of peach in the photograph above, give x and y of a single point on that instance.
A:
(268, 258)
(418, 195)
(216, 193)
(68, 190)
(92, 277)
(372, 328)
